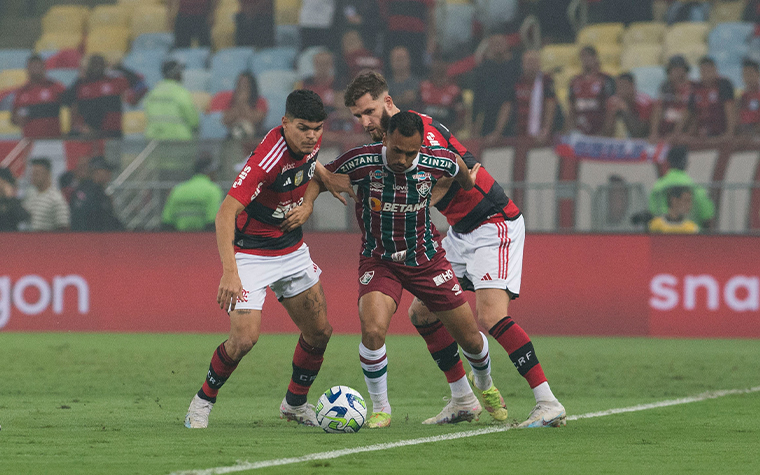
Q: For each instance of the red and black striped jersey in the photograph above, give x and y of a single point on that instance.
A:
(674, 101)
(707, 104)
(466, 210)
(588, 101)
(393, 210)
(272, 182)
(40, 104)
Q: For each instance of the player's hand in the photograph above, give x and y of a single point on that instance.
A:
(337, 183)
(230, 290)
(296, 217)
(474, 171)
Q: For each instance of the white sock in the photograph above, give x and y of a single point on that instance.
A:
(542, 392)
(460, 388)
(481, 366)
(375, 367)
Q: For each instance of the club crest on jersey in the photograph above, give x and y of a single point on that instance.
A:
(299, 177)
(364, 280)
(423, 188)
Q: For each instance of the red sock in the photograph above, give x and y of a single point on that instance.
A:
(520, 350)
(219, 370)
(307, 360)
(443, 349)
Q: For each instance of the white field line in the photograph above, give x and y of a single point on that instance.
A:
(243, 466)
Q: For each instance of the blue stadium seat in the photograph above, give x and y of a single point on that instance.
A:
(734, 74)
(287, 35)
(649, 79)
(14, 58)
(726, 35)
(211, 126)
(305, 62)
(729, 57)
(226, 64)
(196, 79)
(192, 58)
(147, 63)
(153, 41)
(276, 110)
(64, 75)
(281, 57)
(454, 25)
(276, 82)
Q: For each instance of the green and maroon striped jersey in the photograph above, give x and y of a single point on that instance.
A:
(393, 211)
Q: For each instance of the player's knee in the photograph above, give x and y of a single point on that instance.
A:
(472, 343)
(241, 345)
(373, 337)
(321, 336)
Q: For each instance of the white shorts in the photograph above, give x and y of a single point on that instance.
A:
(287, 276)
(490, 257)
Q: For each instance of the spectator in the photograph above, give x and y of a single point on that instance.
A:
(676, 220)
(192, 205)
(493, 80)
(712, 109)
(357, 58)
(589, 92)
(45, 204)
(37, 104)
(91, 207)
(316, 21)
(12, 212)
(555, 24)
(362, 16)
(749, 104)
(96, 97)
(441, 98)
(254, 23)
(534, 101)
(403, 85)
(628, 111)
(702, 209)
(169, 107)
(411, 23)
(671, 108)
(323, 82)
(191, 19)
(244, 109)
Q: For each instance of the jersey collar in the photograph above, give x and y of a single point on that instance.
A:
(414, 163)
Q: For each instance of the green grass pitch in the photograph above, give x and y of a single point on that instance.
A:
(115, 404)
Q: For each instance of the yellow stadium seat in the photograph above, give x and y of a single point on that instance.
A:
(636, 55)
(559, 56)
(6, 126)
(65, 19)
(58, 41)
(723, 12)
(201, 99)
(133, 122)
(225, 18)
(64, 117)
(563, 97)
(601, 33)
(611, 70)
(286, 11)
(562, 79)
(686, 34)
(223, 37)
(693, 52)
(110, 39)
(12, 78)
(148, 19)
(644, 32)
(609, 54)
(135, 4)
(227, 4)
(109, 15)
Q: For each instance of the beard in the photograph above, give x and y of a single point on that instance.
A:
(377, 134)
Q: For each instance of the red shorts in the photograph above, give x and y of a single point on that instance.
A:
(434, 282)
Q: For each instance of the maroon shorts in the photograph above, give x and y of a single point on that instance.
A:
(434, 282)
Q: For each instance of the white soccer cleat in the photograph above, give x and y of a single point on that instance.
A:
(459, 409)
(303, 414)
(546, 414)
(197, 413)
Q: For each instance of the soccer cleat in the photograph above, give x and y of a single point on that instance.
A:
(378, 420)
(492, 401)
(303, 414)
(197, 413)
(459, 409)
(546, 414)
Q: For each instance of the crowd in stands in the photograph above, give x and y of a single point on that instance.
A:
(657, 70)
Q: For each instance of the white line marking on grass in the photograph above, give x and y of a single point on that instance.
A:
(243, 466)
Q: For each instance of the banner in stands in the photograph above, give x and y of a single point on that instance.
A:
(631, 285)
(585, 147)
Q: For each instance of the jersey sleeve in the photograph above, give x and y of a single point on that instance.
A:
(453, 145)
(346, 164)
(451, 167)
(252, 178)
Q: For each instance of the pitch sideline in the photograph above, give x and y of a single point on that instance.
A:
(240, 467)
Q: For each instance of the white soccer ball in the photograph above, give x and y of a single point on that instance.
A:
(341, 410)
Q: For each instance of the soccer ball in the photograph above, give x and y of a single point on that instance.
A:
(341, 410)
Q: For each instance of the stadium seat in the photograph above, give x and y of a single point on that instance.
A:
(286, 11)
(729, 35)
(12, 78)
(65, 19)
(153, 41)
(563, 78)
(492, 14)
(64, 117)
(65, 76)
(649, 79)
(693, 52)
(729, 57)
(226, 64)
(267, 59)
(196, 79)
(8, 131)
(609, 55)
(685, 34)
(276, 109)
(558, 56)
(287, 35)
(14, 58)
(644, 32)
(201, 99)
(148, 19)
(305, 61)
(107, 40)
(600, 34)
(147, 63)
(223, 37)
(211, 126)
(225, 17)
(726, 11)
(733, 73)
(58, 41)
(454, 25)
(276, 82)
(191, 58)
(104, 16)
(133, 122)
(635, 55)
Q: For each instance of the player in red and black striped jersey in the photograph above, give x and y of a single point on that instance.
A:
(483, 210)
(588, 96)
(749, 104)
(37, 104)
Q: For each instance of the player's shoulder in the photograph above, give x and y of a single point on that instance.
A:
(437, 158)
(358, 157)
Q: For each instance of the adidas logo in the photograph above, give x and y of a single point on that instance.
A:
(486, 277)
(287, 182)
